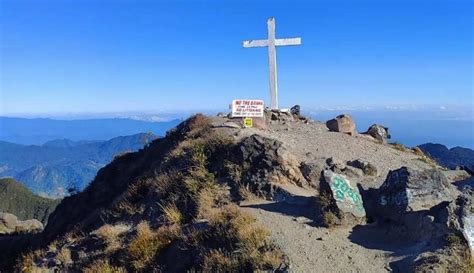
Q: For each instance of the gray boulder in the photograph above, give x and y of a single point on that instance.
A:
(9, 223)
(295, 110)
(461, 216)
(408, 190)
(312, 172)
(378, 132)
(342, 123)
(265, 163)
(455, 220)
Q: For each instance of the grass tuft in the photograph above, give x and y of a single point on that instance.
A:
(147, 243)
(103, 266)
(171, 213)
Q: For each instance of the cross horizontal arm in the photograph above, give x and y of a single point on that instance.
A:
(278, 42)
(255, 43)
(288, 41)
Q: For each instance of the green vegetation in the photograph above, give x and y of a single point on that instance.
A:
(20, 201)
(453, 240)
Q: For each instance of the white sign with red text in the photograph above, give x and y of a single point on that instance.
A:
(247, 108)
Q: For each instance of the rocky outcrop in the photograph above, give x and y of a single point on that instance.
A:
(407, 190)
(378, 132)
(413, 201)
(9, 223)
(461, 217)
(276, 116)
(342, 123)
(265, 162)
(342, 199)
(455, 220)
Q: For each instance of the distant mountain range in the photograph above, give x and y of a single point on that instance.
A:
(57, 166)
(20, 201)
(39, 130)
(450, 158)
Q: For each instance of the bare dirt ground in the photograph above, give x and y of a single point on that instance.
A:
(313, 142)
(311, 248)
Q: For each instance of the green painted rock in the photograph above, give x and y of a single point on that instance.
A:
(346, 196)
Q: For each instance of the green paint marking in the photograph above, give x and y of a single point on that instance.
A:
(344, 191)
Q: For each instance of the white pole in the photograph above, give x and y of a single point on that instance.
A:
(272, 63)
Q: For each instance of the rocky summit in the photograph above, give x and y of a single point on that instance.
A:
(289, 195)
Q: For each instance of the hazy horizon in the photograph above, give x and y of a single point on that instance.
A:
(411, 126)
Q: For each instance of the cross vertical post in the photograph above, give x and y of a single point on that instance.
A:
(272, 42)
(272, 63)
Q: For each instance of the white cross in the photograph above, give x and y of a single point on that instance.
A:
(271, 43)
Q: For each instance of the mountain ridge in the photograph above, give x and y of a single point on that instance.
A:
(22, 202)
(55, 167)
(450, 157)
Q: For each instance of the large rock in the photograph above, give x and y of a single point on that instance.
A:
(345, 200)
(265, 162)
(9, 223)
(461, 216)
(408, 190)
(456, 221)
(342, 123)
(312, 172)
(378, 132)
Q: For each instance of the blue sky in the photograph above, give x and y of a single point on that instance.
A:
(119, 56)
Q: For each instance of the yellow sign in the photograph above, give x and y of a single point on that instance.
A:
(248, 122)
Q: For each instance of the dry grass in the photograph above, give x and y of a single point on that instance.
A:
(27, 262)
(103, 266)
(110, 234)
(329, 219)
(251, 239)
(209, 200)
(171, 213)
(399, 146)
(218, 261)
(428, 160)
(246, 194)
(418, 151)
(147, 243)
(325, 200)
(197, 124)
(164, 181)
(64, 256)
(424, 158)
(123, 209)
